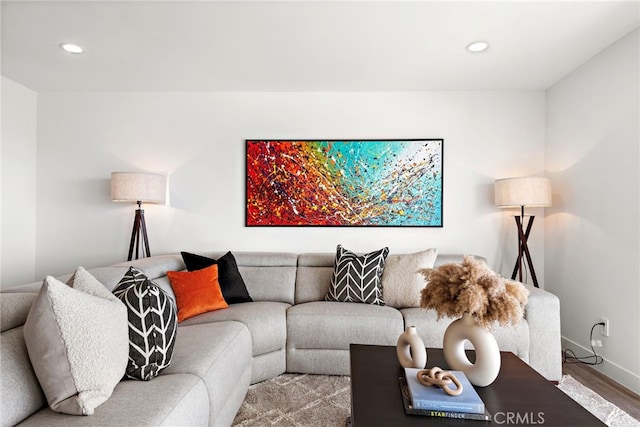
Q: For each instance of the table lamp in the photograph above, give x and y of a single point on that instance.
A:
(521, 192)
(138, 187)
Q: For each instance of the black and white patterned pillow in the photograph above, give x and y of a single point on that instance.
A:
(356, 278)
(153, 324)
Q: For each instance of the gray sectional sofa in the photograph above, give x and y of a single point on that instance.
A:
(288, 328)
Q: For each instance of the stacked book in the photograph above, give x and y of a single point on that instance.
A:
(432, 401)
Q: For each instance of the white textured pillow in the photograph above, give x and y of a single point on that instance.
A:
(401, 282)
(78, 342)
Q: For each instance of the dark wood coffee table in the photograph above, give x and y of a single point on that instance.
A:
(519, 396)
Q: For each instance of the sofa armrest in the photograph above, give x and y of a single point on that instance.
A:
(543, 315)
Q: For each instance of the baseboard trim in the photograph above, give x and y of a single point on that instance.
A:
(612, 370)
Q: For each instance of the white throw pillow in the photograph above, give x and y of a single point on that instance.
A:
(401, 282)
(78, 342)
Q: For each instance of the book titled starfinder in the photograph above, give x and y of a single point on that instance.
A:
(435, 408)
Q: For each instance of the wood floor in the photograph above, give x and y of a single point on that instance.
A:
(619, 395)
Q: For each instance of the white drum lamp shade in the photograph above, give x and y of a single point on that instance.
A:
(528, 191)
(521, 192)
(138, 187)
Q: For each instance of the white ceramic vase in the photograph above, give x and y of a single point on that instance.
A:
(411, 350)
(487, 366)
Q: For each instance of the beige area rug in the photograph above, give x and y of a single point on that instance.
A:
(606, 411)
(322, 400)
(297, 400)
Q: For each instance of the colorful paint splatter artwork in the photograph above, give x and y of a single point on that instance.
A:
(344, 183)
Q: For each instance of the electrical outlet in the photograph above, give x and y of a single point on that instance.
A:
(605, 329)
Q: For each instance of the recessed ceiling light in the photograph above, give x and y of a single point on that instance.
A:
(71, 48)
(478, 46)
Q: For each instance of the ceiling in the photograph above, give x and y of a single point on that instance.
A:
(305, 45)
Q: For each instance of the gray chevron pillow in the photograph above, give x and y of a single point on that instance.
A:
(153, 325)
(356, 278)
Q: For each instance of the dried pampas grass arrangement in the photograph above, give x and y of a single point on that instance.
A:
(472, 287)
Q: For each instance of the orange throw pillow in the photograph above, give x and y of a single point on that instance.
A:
(197, 291)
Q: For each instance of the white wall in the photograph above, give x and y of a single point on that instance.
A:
(199, 139)
(592, 245)
(18, 220)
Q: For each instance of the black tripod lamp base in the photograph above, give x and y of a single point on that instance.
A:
(139, 236)
(523, 251)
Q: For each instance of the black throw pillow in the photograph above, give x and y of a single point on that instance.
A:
(232, 285)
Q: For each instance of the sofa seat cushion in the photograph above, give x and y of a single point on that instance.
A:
(218, 353)
(336, 325)
(267, 323)
(180, 399)
(510, 338)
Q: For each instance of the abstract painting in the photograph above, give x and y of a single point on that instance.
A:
(344, 183)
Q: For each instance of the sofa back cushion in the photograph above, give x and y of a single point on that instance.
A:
(314, 276)
(153, 267)
(14, 309)
(269, 276)
(20, 392)
(108, 276)
(457, 258)
(315, 271)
